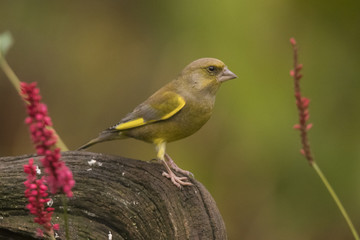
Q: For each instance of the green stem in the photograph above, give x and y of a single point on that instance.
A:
(66, 219)
(51, 236)
(16, 83)
(59, 143)
(10, 73)
(336, 199)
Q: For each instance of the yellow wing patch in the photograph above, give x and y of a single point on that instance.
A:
(169, 105)
(131, 124)
(181, 104)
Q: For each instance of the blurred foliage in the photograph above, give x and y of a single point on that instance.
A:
(96, 60)
(6, 42)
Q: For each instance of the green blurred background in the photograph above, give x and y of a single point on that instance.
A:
(96, 60)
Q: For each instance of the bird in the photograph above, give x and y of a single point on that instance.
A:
(177, 110)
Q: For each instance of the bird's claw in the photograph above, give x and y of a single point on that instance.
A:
(179, 170)
(185, 172)
(178, 181)
(176, 168)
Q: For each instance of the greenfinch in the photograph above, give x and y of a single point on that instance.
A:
(175, 111)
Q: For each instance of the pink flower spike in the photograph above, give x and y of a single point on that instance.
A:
(39, 117)
(34, 193)
(296, 126)
(39, 233)
(292, 73)
(47, 121)
(43, 138)
(305, 102)
(302, 151)
(36, 197)
(293, 41)
(56, 227)
(299, 67)
(23, 85)
(43, 108)
(58, 176)
(302, 104)
(28, 120)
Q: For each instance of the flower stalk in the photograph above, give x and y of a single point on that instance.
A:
(303, 126)
(48, 144)
(59, 178)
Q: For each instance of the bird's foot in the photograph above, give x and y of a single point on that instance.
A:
(176, 168)
(178, 181)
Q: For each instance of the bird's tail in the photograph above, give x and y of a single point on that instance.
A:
(103, 137)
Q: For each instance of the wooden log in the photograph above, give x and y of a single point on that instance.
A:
(127, 198)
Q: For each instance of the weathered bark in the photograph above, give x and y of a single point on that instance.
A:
(129, 198)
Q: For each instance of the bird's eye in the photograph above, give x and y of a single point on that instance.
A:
(211, 68)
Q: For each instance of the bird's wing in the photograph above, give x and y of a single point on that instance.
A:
(160, 106)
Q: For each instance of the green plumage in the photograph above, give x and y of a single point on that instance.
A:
(175, 111)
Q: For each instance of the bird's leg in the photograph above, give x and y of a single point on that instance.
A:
(173, 165)
(178, 181)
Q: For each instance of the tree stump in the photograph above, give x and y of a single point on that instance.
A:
(126, 198)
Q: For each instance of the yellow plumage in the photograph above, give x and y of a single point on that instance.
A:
(175, 111)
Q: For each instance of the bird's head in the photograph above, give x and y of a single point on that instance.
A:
(206, 74)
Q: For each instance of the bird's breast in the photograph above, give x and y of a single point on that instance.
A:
(183, 124)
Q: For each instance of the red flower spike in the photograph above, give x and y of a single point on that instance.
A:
(299, 67)
(28, 120)
(302, 151)
(305, 102)
(36, 197)
(302, 104)
(39, 233)
(56, 227)
(58, 176)
(43, 138)
(293, 41)
(292, 73)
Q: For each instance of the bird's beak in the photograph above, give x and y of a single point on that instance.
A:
(226, 75)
